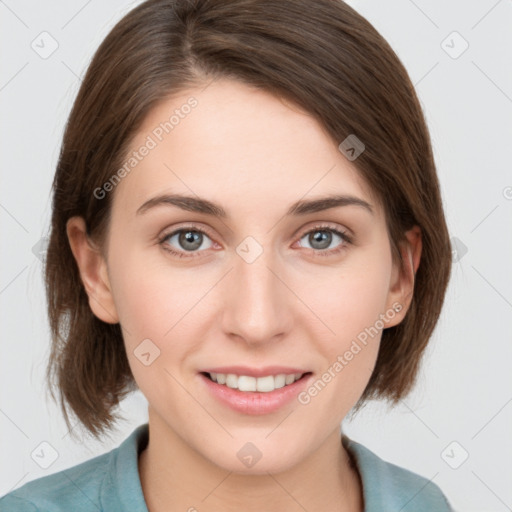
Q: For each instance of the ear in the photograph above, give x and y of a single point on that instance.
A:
(93, 271)
(403, 277)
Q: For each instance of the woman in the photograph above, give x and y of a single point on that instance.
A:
(247, 226)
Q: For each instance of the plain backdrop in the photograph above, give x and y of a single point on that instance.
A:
(455, 428)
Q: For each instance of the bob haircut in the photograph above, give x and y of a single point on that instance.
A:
(322, 56)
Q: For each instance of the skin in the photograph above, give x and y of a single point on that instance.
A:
(254, 155)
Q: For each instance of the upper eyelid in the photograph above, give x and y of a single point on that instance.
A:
(166, 234)
(327, 227)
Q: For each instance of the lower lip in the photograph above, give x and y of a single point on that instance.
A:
(256, 403)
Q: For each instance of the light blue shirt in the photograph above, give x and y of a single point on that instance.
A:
(111, 483)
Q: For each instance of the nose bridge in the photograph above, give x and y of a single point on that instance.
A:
(256, 307)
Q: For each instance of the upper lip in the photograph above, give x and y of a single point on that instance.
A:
(255, 372)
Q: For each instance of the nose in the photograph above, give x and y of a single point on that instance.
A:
(257, 305)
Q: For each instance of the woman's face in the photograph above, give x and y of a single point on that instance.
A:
(259, 286)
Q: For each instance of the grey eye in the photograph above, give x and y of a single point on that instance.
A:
(320, 239)
(188, 239)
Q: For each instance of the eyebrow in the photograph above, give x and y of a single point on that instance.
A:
(200, 205)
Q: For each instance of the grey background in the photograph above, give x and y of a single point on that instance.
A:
(461, 406)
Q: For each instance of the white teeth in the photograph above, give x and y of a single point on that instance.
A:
(289, 378)
(262, 384)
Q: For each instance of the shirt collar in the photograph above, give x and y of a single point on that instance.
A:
(126, 488)
(377, 484)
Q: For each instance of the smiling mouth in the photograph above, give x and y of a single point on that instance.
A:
(246, 383)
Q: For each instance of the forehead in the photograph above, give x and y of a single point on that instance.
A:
(237, 145)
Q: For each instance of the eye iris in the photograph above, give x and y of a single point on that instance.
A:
(190, 237)
(324, 237)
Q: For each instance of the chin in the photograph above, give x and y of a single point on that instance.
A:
(257, 457)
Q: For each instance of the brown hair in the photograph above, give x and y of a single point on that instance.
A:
(321, 55)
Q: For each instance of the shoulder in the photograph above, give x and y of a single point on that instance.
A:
(77, 488)
(106, 482)
(385, 483)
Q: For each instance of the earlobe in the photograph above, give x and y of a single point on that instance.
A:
(93, 271)
(403, 278)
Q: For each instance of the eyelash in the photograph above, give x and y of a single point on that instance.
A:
(347, 240)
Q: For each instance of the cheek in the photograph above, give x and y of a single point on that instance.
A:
(349, 304)
(152, 305)
(161, 312)
(149, 298)
(350, 299)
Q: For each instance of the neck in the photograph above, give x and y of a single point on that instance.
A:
(174, 476)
